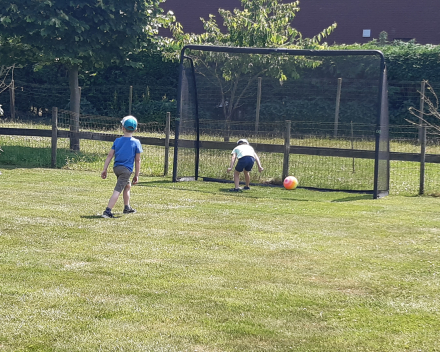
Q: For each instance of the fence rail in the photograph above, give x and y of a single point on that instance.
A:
(270, 148)
(419, 159)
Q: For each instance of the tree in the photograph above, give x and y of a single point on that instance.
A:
(12, 53)
(6, 78)
(260, 23)
(83, 34)
(429, 116)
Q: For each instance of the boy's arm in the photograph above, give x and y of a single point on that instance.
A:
(137, 168)
(257, 159)
(110, 155)
(232, 162)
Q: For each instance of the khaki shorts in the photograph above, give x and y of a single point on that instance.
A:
(123, 174)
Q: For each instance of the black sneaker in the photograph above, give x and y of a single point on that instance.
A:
(246, 188)
(129, 210)
(107, 214)
(235, 190)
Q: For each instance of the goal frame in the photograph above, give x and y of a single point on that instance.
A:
(381, 152)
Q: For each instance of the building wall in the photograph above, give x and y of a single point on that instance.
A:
(401, 19)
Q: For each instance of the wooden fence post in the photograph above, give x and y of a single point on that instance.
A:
(75, 109)
(167, 143)
(286, 150)
(338, 102)
(54, 136)
(421, 109)
(130, 101)
(12, 99)
(257, 116)
(422, 158)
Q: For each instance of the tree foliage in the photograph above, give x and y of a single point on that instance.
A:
(82, 33)
(12, 53)
(406, 61)
(260, 23)
(430, 116)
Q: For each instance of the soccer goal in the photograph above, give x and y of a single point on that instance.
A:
(320, 116)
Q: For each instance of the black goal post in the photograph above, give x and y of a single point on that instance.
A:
(319, 115)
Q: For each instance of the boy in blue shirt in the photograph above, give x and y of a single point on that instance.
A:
(127, 151)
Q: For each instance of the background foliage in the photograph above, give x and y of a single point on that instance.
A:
(105, 91)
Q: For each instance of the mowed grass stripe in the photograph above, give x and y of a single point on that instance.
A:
(199, 268)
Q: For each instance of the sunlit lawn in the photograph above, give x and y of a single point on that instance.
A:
(200, 269)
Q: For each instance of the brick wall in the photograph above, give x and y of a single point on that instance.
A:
(401, 19)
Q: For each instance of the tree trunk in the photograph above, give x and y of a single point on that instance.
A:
(74, 108)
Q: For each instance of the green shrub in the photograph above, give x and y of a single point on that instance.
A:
(406, 61)
(154, 111)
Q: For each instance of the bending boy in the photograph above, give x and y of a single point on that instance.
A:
(246, 158)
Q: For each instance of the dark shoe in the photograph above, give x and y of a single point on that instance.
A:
(235, 190)
(246, 188)
(107, 214)
(129, 210)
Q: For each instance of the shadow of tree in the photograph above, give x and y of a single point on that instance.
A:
(28, 156)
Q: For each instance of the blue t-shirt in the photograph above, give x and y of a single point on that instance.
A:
(126, 149)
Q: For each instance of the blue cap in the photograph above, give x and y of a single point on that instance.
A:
(129, 123)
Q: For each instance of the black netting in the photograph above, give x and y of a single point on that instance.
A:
(334, 103)
(382, 179)
(186, 151)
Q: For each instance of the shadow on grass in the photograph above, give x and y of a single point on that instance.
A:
(244, 193)
(351, 195)
(97, 216)
(13, 167)
(353, 198)
(28, 157)
(158, 182)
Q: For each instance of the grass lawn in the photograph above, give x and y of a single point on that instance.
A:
(200, 269)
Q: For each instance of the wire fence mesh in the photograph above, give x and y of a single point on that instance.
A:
(34, 151)
(240, 92)
(35, 101)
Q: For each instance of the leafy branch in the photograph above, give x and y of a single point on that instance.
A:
(5, 72)
(430, 115)
(261, 24)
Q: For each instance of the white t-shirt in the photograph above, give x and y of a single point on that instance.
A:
(243, 150)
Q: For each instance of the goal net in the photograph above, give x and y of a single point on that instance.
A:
(320, 116)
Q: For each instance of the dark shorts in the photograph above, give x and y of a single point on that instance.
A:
(123, 174)
(246, 163)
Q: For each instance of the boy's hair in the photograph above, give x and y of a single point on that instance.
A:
(242, 141)
(129, 123)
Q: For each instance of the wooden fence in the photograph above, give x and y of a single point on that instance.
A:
(286, 149)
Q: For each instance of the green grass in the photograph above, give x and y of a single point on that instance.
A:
(200, 269)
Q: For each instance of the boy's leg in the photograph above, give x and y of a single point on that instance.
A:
(122, 174)
(111, 203)
(113, 199)
(248, 167)
(247, 178)
(237, 179)
(127, 208)
(126, 194)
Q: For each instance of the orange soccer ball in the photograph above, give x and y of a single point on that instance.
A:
(290, 182)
